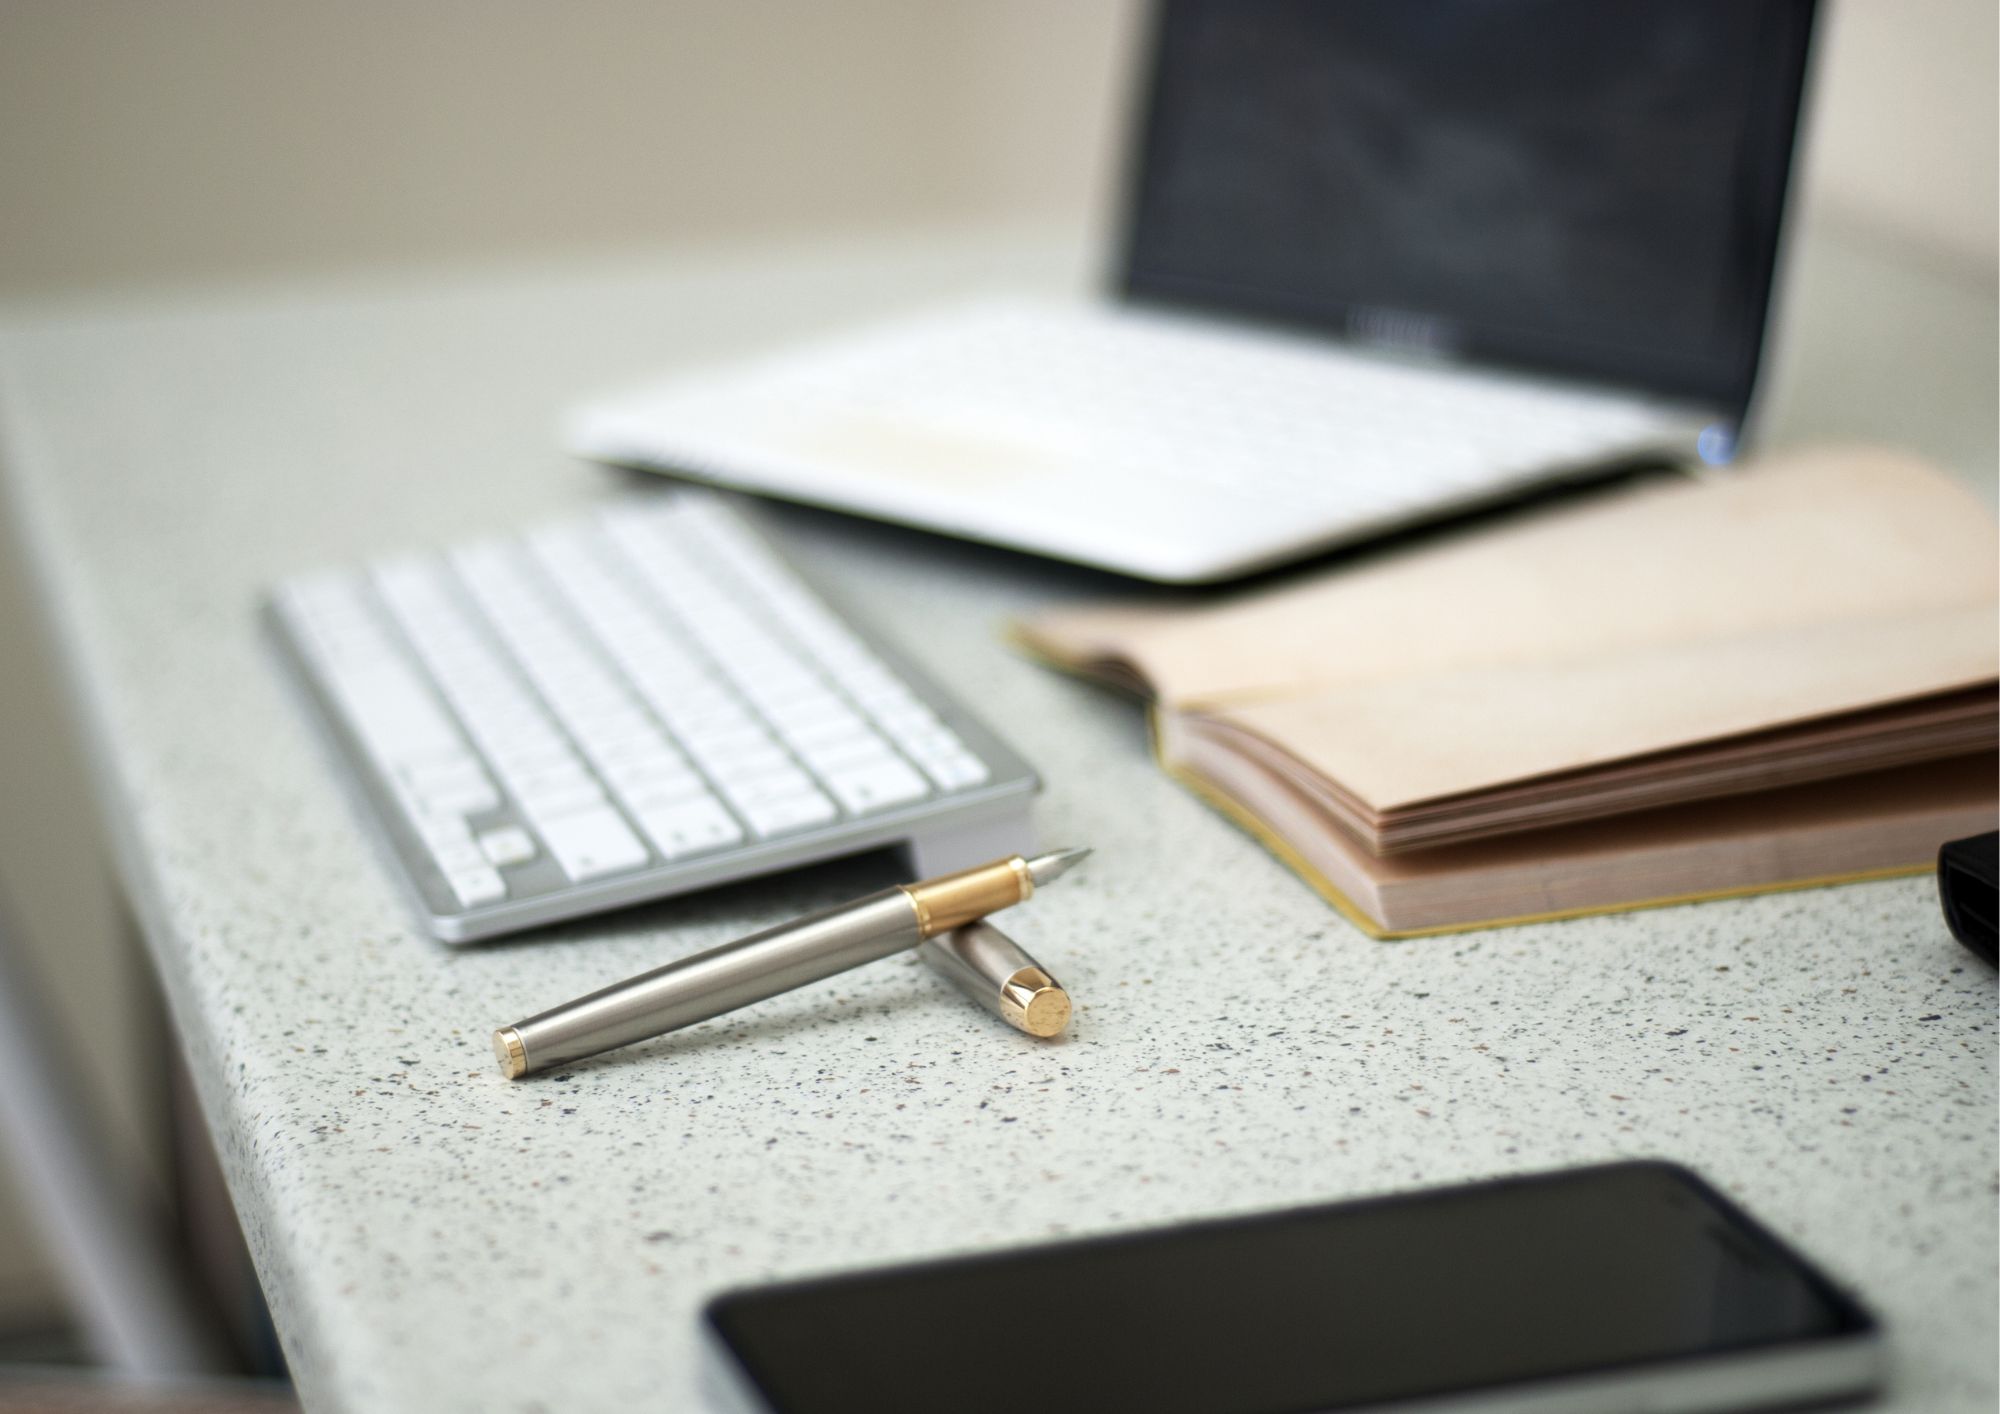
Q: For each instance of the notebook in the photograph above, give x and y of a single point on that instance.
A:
(1759, 678)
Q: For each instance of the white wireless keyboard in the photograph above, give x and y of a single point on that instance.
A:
(626, 706)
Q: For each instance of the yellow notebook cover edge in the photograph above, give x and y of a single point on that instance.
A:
(1239, 814)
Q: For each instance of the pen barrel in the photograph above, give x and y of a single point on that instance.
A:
(713, 982)
(999, 974)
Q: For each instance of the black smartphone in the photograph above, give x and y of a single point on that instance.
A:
(1629, 1286)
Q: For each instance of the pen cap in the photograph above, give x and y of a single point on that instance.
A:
(998, 973)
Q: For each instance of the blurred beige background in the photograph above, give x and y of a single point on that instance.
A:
(175, 143)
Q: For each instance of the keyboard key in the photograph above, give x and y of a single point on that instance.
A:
(593, 843)
(548, 776)
(547, 803)
(530, 755)
(847, 753)
(809, 710)
(783, 817)
(439, 772)
(606, 721)
(507, 846)
(638, 770)
(838, 726)
(665, 794)
(785, 783)
(455, 857)
(396, 715)
(704, 716)
(476, 885)
(877, 785)
(907, 718)
(637, 766)
(957, 770)
(437, 831)
(466, 793)
(692, 827)
(750, 766)
(348, 648)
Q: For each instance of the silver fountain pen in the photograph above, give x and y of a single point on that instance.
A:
(765, 964)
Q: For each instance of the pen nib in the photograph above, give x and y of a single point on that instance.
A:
(1047, 868)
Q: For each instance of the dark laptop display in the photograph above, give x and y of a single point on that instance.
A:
(1585, 187)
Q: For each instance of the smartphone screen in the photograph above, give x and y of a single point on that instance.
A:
(1351, 1305)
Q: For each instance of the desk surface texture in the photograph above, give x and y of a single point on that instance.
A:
(432, 1237)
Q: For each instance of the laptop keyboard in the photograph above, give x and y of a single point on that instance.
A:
(620, 693)
(1159, 397)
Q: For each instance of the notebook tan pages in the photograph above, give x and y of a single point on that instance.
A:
(1808, 618)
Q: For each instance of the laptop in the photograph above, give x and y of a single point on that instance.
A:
(1382, 263)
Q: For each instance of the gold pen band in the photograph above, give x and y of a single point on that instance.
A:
(952, 900)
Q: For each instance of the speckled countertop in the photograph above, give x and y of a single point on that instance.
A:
(432, 1237)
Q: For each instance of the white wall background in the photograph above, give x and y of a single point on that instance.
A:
(1901, 141)
(171, 142)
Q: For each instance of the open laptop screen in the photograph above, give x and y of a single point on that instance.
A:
(1574, 185)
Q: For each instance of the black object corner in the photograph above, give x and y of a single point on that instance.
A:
(1968, 881)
